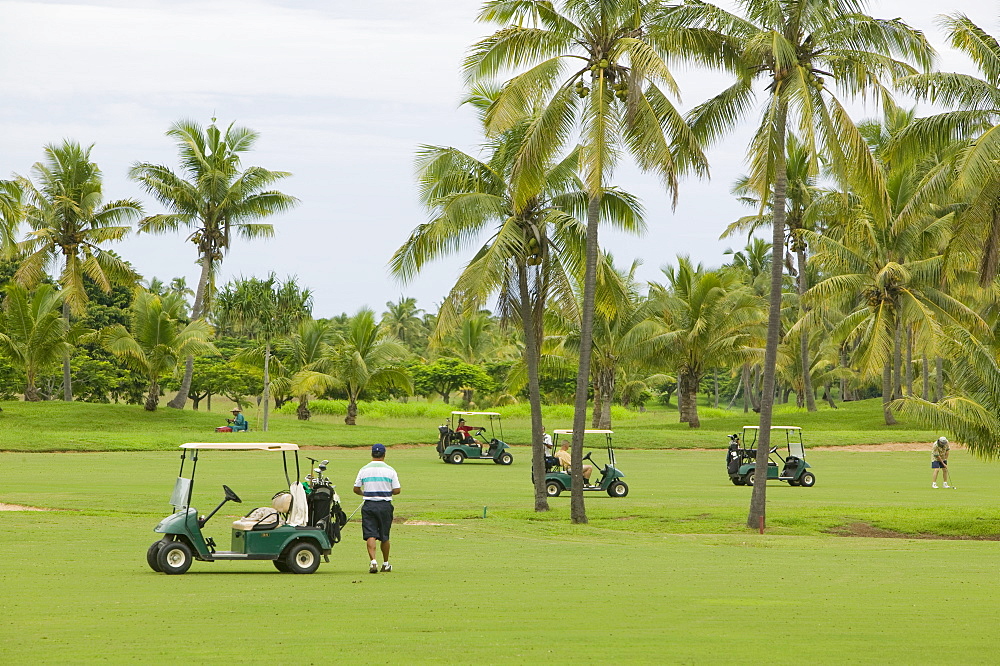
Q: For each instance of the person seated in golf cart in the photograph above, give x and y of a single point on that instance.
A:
(238, 422)
(565, 459)
(465, 432)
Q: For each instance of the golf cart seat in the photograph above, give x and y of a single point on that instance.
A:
(266, 517)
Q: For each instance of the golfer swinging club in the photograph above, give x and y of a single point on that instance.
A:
(377, 483)
(939, 460)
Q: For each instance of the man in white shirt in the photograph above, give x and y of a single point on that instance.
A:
(377, 483)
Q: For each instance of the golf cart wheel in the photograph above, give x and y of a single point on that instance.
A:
(737, 480)
(302, 558)
(504, 459)
(807, 480)
(174, 557)
(553, 488)
(152, 553)
(793, 482)
(748, 478)
(456, 458)
(280, 565)
(618, 489)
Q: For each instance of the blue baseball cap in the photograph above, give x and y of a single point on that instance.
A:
(378, 450)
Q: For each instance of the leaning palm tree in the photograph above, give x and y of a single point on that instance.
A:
(600, 67)
(366, 357)
(70, 228)
(216, 197)
(264, 310)
(156, 340)
(32, 332)
(794, 47)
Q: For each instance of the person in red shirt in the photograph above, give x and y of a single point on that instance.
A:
(465, 431)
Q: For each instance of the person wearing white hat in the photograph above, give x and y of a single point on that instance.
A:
(939, 461)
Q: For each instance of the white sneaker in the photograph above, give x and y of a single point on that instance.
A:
(946, 485)
(373, 568)
(386, 567)
(933, 485)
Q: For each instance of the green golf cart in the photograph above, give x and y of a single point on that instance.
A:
(741, 457)
(455, 446)
(302, 523)
(558, 479)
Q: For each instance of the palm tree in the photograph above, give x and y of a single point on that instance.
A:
(533, 248)
(365, 357)
(216, 197)
(32, 332)
(793, 46)
(265, 310)
(977, 117)
(618, 48)
(11, 216)
(70, 227)
(156, 339)
(402, 319)
(709, 320)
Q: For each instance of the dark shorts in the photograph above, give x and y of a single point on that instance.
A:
(937, 464)
(376, 520)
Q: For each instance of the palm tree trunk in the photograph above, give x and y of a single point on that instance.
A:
(925, 377)
(897, 360)
(681, 398)
(747, 389)
(530, 328)
(267, 382)
(691, 388)
(153, 397)
(595, 418)
(30, 388)
(758, 498)
(578, 512)
(352, 410)
(939, 379)
(302, 412)
(715, 387)
(179, 400)
(609, 392)
(828, 395)
(800, 284)
(887, 394)
(909, 361)
(67, 370)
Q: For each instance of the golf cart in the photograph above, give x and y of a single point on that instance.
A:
(558, 479)
(302, 523)
(741, 460)
(453, 448)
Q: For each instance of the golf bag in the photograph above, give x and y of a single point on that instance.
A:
(444, 438)
(326, 513)
(734, 455)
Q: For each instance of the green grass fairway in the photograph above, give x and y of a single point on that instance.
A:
(665, 575)
(77, 426)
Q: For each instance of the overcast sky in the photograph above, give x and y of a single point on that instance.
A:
(342, 93)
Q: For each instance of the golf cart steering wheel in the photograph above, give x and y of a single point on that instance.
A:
(587, 457)
(774, 449)
(230, 495)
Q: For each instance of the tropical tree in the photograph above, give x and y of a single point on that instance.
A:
(11, 216)
(305, 358)
(216, 197)
(402, 319)
(365, 357)
(32, 332)
(71, 225)
(709, 320)
(447, 375)
(264, 310)
(599, 66)
(794, 47)
(156, 339)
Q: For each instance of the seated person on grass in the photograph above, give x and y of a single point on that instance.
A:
(565, 459)
(238, 422)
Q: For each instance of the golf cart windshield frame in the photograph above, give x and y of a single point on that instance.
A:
(607, 438)
(496, 422)
(195, 447)
(793, 438)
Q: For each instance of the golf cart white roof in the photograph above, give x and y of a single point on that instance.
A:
(585, 432)
(757, 427)
(475, 414)
(241, 446)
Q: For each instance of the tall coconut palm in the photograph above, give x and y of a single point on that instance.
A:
(533, 244)
(709, 320)
(11, 216)
(600, 67)
(32, 332)
(156, 339)
(793, 47)
(365, 357)
(71, 225)
(216, 197)
(402, 319)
